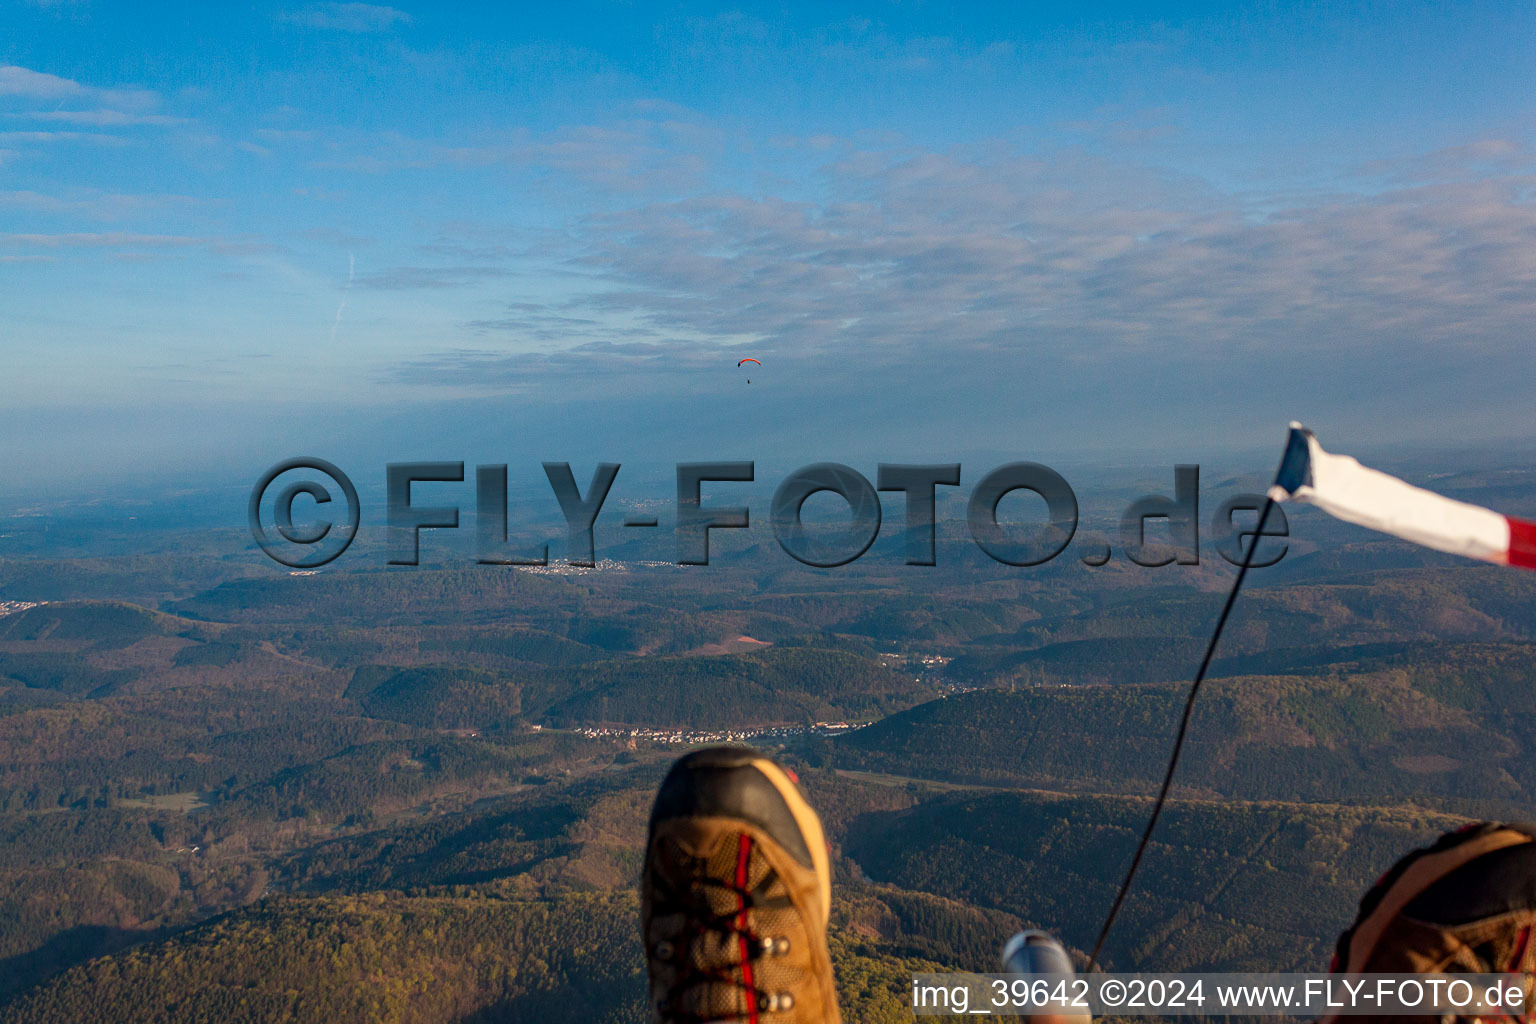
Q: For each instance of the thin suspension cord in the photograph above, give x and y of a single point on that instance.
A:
(1178, 741)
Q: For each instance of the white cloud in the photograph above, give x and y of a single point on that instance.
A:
(96, 138)
(936, 264)
(635, 156)
(93, 204)
(417, 278)
(97, 240)
(19, 81)
(1453, 163)
(347, 17)
(1072, 251)
(101, 118)
(41, 85)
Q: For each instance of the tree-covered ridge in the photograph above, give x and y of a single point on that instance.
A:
(776, 686)
(378, 958)
(1454, 728)
(467, 957)
(1224, 886)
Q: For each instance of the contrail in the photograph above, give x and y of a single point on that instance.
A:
(351, 266)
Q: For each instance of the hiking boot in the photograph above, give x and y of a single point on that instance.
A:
(735, 896)
(1465, 904)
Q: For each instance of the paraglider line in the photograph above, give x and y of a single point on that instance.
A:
(1178, 741)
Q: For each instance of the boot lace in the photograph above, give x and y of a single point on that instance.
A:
(694, 905)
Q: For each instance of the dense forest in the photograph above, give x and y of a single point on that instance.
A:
(229, 793)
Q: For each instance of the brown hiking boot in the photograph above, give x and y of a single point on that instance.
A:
(735, 896)
(1466, 904)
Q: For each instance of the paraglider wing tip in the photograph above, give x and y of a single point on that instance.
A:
(1296, 465)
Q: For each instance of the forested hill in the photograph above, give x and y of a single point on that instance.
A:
(472, 958)
(1454, 728)
(230, 795)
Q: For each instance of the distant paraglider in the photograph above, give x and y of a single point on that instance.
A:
(743, 362)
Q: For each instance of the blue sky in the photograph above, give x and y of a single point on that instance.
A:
(232, 235)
